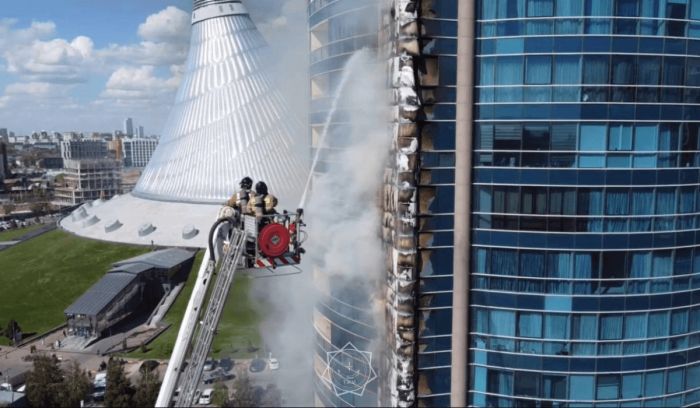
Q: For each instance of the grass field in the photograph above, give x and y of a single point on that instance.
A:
(238, 328)
(41, 277)
(11, 235)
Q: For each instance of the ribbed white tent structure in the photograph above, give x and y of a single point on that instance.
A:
(227, 122)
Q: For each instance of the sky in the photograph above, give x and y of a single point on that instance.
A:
(85, 65)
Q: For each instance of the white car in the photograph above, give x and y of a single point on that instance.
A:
(205, 399)
(273, 364)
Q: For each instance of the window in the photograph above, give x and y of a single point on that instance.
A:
(645, 138)
(526, 384)
(679, 322)
(556, 326)
(631, 386)
(502, 323)
(567, 69)
(623, 70)
(499, 382)
(654, 384)
(581, 387)
(511, 8)
(486, 71)
(509, 71)
(529, 324)
(620, 137)
(507, 137)
(635, 326)
(584, 327)
(554, 387)
(610, 327)
(595, 69)
(532, 264)
(539, 69)
(614, 265)
(658, 324)
(540, 8)
(608, 387)
(535, 137)
(592, 137)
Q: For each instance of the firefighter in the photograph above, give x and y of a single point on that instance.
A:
(242, 199)
(263, 203)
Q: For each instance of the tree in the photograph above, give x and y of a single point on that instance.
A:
(75, 387)
(244, 394)
(119, 391)
(220, 395)
(13, 331)
(8, 208)
(44, 382)
(147, 389)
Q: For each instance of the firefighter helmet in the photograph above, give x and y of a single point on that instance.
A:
(246, 183)
(261, 188)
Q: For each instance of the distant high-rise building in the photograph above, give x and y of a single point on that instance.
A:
(87, 180)
(83, 149)
(137, 152)
(4, 165)
(129, 127)
(141, 133)
(3, 135)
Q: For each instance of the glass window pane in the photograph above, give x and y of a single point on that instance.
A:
(556, 326)
(509, 70)
(540, 8)
(649, 70)
(567, 69)
(595, 69)
(502, 322)
(654, 384)
(539, 69)
(620, 137)
(645, 138)
(623, 69)
(631, 386)
(635, 326)
(611, 327)
(530, 324)
(592, 137)
(581, 387)
(608, 387)
(658, 324)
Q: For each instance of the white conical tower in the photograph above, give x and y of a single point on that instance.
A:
(228, 121)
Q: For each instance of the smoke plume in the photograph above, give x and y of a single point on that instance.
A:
(344, 223)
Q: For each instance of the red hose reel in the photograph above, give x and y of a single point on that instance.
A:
(273, 240)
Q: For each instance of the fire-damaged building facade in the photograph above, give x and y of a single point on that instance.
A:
(536, 210)
(131, 286)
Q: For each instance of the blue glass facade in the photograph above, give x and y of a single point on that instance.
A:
(585, 279)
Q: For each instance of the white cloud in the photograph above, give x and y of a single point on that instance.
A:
(55, 60)
(128, 83)
(169, 25)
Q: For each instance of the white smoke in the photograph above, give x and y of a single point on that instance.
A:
(343, 218)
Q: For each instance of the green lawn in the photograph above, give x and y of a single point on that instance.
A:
(41, 277)
(13, 234)
(238, 328)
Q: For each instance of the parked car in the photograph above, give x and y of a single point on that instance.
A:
(205, 399)
(226, 364)
(257, 365)
(209, 365)
(273, 364)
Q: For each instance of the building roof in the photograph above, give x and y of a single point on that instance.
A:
(162, 259)
(101, 294)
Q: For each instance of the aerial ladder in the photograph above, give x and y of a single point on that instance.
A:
(236, 242)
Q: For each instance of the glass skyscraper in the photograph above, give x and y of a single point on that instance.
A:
(585, 256)
(584, 202)
(343, 315)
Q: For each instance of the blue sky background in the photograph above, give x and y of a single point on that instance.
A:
(85, 65)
